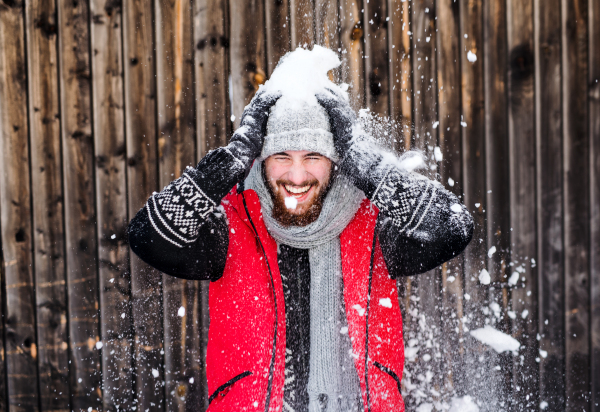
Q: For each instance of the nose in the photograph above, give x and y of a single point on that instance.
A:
(297, 174)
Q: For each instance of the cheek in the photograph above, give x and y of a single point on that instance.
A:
(274, 171)
(321, 171)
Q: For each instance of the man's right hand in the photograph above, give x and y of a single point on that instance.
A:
(247, 141)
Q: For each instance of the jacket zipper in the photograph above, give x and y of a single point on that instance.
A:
(367, 316)
(272, 364)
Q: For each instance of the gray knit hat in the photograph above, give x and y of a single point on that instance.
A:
(298, 128)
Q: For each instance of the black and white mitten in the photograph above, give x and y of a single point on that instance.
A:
(180, 209)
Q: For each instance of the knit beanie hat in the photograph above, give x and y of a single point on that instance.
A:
(298, 127)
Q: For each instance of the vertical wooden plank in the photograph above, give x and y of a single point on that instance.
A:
(3, 393)
(494, 57)
(327, 22)
(450, 169)
(212, 120)
(576, 202)
(175, 76)
(424, 78)
(594, 117)
(211, 74)
(80, 211)
(302, 20)
(247, 53)
(550, 256)
(473, 162)
(377, 67)
(498, 229)
(46, 186)
(521, 129)
(399, 47)
(327, 30)
(20, 334)
(111, 203)
(277, 31)
(352, 45)
(140, 129)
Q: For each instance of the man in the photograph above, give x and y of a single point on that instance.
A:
(302, 223)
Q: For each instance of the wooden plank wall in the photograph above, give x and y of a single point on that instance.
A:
(103, 102)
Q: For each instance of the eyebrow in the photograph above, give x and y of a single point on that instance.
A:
(312, 154)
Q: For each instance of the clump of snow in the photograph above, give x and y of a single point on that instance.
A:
(181, 312)
(385, 302)
(500, 342)
(472, 57)
(491, 251)
(291, 202)
(450, 182)
(412, 160)
(425, 407)
(464, 404)
(437, 152)
(514, 278)
(484, 277)
(300, 74)
(456, 208)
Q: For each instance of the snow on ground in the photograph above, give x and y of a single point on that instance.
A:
(500, 342)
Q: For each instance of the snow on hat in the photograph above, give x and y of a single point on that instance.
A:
(298, 127)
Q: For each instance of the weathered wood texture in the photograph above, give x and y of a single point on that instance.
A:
(550, 207)
(79, 204)
(46, 187)
(400, 86)
(176, 143)
(3, 393)
(576, 191)
(142, 179)
(594, 117)
(247, 52)
(278, 31)
(111, 202)
(522, 169)
(450, 169)
(375, 24)
(352, 45)
(17, 243)
(302, 20)
(103, 102)
(497, 174)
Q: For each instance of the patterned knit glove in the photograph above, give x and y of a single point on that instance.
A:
(360, 155)
(247, 141)
(341, 119)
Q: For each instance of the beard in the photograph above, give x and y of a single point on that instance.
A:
(283, 215)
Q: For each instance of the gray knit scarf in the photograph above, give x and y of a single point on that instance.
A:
(333, 384)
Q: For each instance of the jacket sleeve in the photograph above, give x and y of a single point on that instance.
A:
(421, 225)
(182, 230)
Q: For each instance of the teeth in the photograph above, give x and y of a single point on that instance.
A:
(297, 190)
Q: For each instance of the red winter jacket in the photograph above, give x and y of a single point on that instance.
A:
(246, 346)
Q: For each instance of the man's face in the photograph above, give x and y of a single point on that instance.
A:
(298, 182)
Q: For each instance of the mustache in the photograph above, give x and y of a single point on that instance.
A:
(311, 182)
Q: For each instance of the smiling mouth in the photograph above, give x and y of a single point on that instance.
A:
(297, 192)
